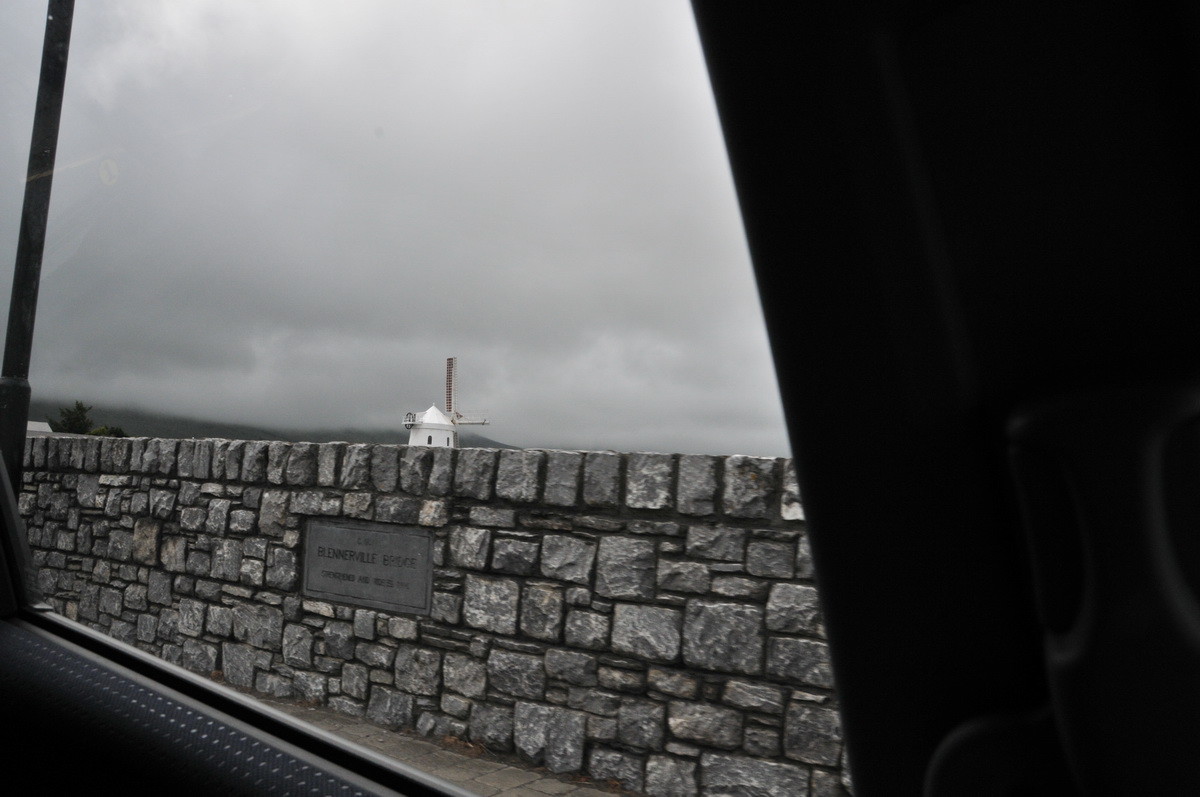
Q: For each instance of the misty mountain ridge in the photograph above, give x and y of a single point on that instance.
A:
(144, 423)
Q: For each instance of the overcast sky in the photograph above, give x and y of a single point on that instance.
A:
(290, 213)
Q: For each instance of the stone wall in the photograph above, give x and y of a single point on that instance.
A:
(648, 618)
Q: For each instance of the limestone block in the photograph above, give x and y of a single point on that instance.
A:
(469, 547)
(602, 729)
(358, 505)
(272, 512)
(397, 509)
(658, 528)
(648, 481)
(220, 452)
(491, 516)
(517, 674)
(517, 475)
(310, 686)
(601, 479)
(474, 473)
(186, 458)
(626, 768)
(667, 776)
(790, 506)
(377, 656)
(277, 459)
(400, 627)
(719, 543)
(147, 629)
(434, 513)
(771, 559)
(562, 478)
(418, 670)
(752, 696)
(299, 466)
(571, 666)
(87, 492)
(297, 646)
(162, 503)
(625, 567)
(739, 587)
(585, 629)
(191, 615)
(347, 705)
(465, 675)
(258, 625)
(385, 467)
(734, 774)
(241, 521)
(339, 639)
(490, 604)
(762, 741)
(802, 660)
(542, 611)
(794, 608)
(356, 466)
(813, 734)
(227, 560)
(144, 544)
(254, 461)
(530, 724)
(492, 726)
(673, 682)
(568, 558)
(218, 516)
(749, 484)
(446, 608)
(354, 681)
(640, 723)
(235, 454)
(706, 724)
(135, 597)
(441, 471)
(414, 469)
(804, 559)
(159, 588)
(199, 657)
(697, 485)
(173, 553)
(683, 576)
(364, 623)
(724, 637)
(328, 459)
(456, 706)
(389, 708)
(220, 620)
(514, 556)
(650, 632)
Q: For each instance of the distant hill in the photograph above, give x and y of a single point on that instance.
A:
(140, 423)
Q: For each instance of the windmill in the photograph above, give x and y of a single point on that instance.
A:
(436, 428)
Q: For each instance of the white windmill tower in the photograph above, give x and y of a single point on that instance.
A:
(436, 428)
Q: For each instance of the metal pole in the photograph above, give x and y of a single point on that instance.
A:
(14, 383)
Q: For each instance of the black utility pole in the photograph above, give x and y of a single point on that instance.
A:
(14, 382)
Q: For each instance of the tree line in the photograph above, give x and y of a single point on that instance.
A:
(78, 420)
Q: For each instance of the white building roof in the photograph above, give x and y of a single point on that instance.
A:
(434, 416)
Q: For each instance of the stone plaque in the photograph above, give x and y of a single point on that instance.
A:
(369, 564)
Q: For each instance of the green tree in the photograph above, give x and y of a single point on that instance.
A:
(74, 420)
(77, 420)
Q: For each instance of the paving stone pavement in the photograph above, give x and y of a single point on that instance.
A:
(468, 766)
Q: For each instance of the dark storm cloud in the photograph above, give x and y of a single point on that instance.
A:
(290, 213)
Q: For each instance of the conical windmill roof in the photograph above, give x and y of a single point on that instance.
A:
(436, 416)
